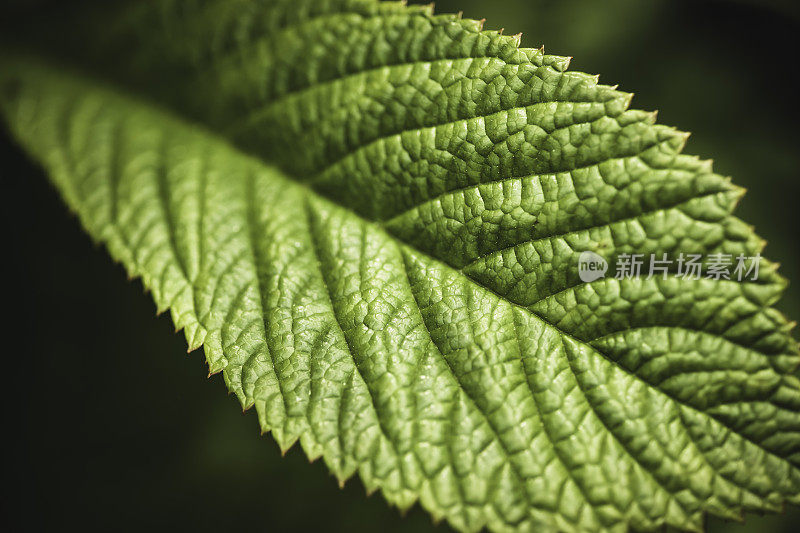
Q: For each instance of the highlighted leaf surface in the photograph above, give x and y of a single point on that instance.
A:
(375, 234)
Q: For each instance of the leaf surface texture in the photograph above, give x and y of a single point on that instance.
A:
(370, 217)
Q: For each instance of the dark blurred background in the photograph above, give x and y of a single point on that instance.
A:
(112, 427)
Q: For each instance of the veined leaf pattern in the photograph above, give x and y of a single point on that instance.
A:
(377, 246)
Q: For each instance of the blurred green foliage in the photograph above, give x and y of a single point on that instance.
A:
(111, 428)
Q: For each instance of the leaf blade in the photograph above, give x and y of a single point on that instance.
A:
(460, 329)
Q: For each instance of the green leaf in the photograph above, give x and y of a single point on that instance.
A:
(375, 237)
